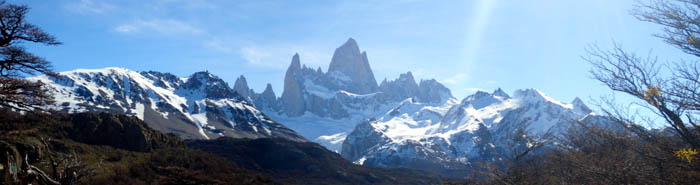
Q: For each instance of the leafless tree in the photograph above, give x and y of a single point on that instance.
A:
(669, 89)
(16, 62)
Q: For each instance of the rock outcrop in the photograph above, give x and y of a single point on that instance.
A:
(119, 131)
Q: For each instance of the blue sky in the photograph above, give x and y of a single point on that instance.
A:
(467, 45)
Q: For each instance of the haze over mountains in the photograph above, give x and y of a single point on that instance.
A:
(398, 122)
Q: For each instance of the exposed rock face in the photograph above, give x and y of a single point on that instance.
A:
(200, 106)
(433, 91)
(292, 97)
(267, 99)
(501, 93)
(363, 140)
(350, 71)
(403, 87)
(212, 86)
(241, 87)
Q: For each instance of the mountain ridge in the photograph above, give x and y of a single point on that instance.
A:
(200, 106)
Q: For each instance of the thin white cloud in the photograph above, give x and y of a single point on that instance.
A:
(159, 26)
(279, 57)
(256, 56)
(456, 79)
(90, 7)
(219, 45)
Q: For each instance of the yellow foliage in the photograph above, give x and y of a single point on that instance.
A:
(692, 40)
(687, 154)
(652, 94)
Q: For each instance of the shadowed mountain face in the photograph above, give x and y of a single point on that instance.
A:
(124, 150)
(113, 148)
(305, 163)
(199, 106)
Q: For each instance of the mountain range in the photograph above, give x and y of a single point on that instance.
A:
(396, 123)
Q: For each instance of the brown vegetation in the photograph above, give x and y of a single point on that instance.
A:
(43, 144)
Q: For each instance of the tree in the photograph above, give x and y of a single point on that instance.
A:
(671, 89)
(16, 62)
(601, 153)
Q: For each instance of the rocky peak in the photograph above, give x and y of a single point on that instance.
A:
(529, 94)
(403, 87)
(269, 92)
(432, 91)
(580, 107)
(407, 78)
(349, 62)
(480, 94)
(296, 63)
(241, 87)
(213, 86)
(292, 97)
(481, 99)
(501, 93)
(267, 100)
(534, 96)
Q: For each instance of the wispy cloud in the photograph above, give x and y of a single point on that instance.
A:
(219, 45)
(279, 57)
(90, 7)
(456, 79)
(257, 56)
(159, 26)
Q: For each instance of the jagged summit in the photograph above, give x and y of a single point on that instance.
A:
(268, 90)
(432, 91)
(581, 107)
(482, 99)
(533, 94)
(292, 96)
(500, 92)
(296, 63)
(403, 87)
(241, 87)
(212, 86)
(352, 67)
(200, 106)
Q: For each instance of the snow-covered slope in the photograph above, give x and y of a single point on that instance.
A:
(199, 106)
(451, 135)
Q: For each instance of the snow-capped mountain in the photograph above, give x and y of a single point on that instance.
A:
(451, 136)
(199, 106)
(398, 123)
(326, 106)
